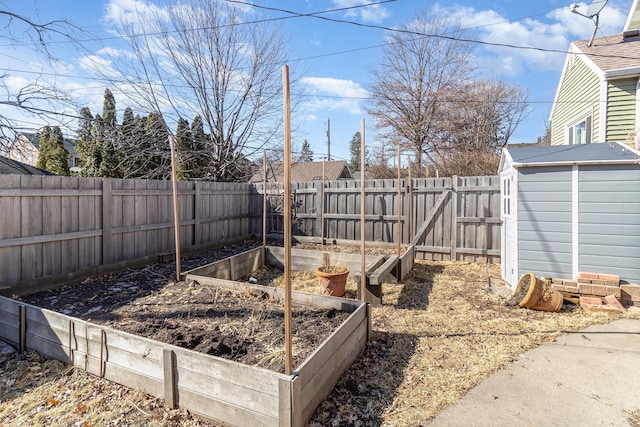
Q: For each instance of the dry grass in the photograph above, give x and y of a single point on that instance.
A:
(436, 336)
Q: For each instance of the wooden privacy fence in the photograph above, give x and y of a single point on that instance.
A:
(52, 226)
(456, 218)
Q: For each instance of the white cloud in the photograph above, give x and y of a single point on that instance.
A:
(553, 33)
(375, 13)
(97, 64)
(131, 12)
(343, 95)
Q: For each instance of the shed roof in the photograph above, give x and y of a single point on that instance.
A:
(13, 167)
(536, 155)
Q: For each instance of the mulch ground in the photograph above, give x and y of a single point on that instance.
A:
(437, 335)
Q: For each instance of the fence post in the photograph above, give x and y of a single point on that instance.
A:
(454, 216)
(107, 214)
(197, 216)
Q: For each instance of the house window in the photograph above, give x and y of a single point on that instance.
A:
(580, 133)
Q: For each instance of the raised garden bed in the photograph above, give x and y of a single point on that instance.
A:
(211, 386)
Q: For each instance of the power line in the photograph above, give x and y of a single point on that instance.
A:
(421, 34)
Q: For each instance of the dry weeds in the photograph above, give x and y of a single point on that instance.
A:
(436, 336)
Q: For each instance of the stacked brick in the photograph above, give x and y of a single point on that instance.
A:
(596, 291)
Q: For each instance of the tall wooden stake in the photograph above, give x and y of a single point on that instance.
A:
(363, 267)
(264, 204)
(399, 204)
(176, 218)
(322, 206)
(287, 222)
(410, 202)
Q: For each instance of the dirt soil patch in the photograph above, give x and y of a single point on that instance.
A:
(437, 335)
(244, 326)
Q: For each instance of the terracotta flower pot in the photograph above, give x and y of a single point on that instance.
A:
(539, 296)
(332, 280)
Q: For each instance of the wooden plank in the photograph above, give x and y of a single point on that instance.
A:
(9, 227)
(70, 223)
(381, 272)
(107, 221)
(304, 260)
(51, 192)
(454, 216)
(245, 263)
(52, 211)
(221, 412)
(236, 391)
(261, 380)
(31, 212)
(349, 330)
(169, 365)
(420, 234)
(49, 238)
(406, 262)
(324, 380)
(286, 403)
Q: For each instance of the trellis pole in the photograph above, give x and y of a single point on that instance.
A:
(399, 208)
(363, 275)
(287, 222)
(176, 219)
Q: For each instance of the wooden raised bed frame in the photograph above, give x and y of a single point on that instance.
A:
(212, 387)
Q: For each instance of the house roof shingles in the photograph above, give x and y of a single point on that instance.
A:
(612, 52)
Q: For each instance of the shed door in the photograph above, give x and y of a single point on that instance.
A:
(508, 215)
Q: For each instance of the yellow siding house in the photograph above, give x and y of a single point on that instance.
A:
(598, 96)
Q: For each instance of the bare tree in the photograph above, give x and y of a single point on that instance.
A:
(412, 79)
(200, 58)
(479, 119)
(38, 97)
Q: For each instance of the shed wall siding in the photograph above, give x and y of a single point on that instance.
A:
(579, 92)
(621, 109)
(544, 221)
(609, 217)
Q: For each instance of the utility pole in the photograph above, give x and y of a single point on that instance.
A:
(328, 139)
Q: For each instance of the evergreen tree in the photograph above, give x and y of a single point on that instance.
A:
(156, 143)
(184, 143)
(88, 156)
(109, 164)
(52, 156)
(44, 150)
(306, 155)
(57, 161)
(354, 148)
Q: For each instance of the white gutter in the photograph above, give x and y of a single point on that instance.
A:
(581, 162)
(622, 72)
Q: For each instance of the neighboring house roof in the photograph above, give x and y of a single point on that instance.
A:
(613, 53)
(13, 167)
(610, 153)
(304, 171)
(34, 138)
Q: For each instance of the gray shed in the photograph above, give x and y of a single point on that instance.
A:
(569, 209)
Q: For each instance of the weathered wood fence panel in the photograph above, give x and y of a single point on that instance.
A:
(453, 218)
(52, 226)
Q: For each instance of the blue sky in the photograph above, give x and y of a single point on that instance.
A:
(334, 57)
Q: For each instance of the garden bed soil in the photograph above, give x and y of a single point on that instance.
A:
(244, 326)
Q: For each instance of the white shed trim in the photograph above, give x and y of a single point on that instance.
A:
(575, 223)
